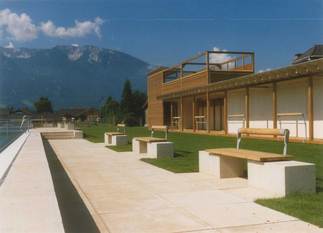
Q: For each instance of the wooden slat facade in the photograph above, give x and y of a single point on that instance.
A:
(155, 106)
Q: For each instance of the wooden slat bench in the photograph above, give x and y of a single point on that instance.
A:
(151, 139)
(269, 171)
(249, 155)
(153, 146)
(117, 138)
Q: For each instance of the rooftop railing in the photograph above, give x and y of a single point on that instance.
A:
(212, 61)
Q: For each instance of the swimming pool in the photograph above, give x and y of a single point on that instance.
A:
(13, 134)
(6, 139)
(9, 131)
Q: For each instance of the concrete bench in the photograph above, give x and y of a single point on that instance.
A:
(153, 147)
(269, 171)
(117, 138)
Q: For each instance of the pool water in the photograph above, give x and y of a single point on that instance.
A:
(6, 138)
(10, 129)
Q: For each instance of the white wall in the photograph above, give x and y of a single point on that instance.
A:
(318, 107)
(260, 107)
(292, 97)
(235, 106)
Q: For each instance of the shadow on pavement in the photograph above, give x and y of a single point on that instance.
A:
(75, 215)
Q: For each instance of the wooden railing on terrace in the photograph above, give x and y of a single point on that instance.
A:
(212, 61)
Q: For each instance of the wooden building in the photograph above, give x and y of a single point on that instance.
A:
(218, 92)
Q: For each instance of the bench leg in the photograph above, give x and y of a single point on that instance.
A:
(209, 164)
(135, 146)
(282, 178)
(119, 140)
(160, 149)
(220, 166)
(106, 140)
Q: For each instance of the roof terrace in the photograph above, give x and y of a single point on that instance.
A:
(207, 67)
(218, 62)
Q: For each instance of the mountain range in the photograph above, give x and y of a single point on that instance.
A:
(70, 76)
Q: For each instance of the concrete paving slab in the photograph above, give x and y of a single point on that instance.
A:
(236, 214)
(281, 227)
(202, 198)
(123, 202)
(153, 221)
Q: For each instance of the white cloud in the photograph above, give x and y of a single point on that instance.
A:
(80, 29)
(17, 27)
(10, 45)
(219, 57)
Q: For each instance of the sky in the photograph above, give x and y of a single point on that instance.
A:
(164, 32)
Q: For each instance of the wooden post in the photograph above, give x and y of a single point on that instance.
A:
(182, 115)
(207, 65)
(181, 76)
(253, 62)
(274, 105)
(193, 113)
(208, 111)
(246, 110)
(310, 109)
(171, 114)
(225, 112)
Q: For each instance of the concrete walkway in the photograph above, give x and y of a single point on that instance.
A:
(27, 198)
(127, 195)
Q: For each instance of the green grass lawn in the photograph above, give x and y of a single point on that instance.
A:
(306, 207)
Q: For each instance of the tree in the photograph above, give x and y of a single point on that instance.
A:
(130, 110)
(126, 98)
(110, 111)
(138, 99)
(43, 104)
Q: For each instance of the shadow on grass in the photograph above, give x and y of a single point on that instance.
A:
(181, 153)
(75, 215)
(319, 188)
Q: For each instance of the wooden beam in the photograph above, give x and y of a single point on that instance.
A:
(225, 112)
(253, 62)
(182, 115)
(193, 114)
(194, 63)
(310, 109)
(246, 110)
(274, 105)
(208, 112)
(207, 60)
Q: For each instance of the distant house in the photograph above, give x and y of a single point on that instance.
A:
(313, 53)
(84, 114)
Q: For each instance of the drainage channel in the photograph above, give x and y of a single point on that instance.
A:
(75, 215)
